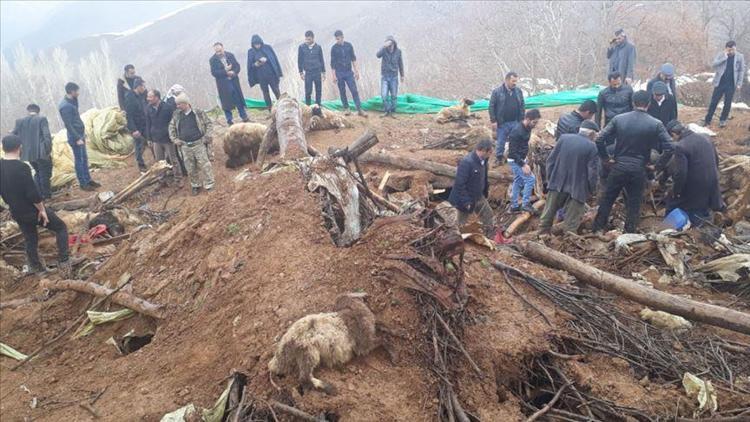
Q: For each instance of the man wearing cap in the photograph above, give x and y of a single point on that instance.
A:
(573, 172)
(729, 67)
(621, 55)
(637, 134)
(663, 105)
(471, 187)
(136, 115)
(571, 122)
(695, 173)
(189, 129)
(666, 75)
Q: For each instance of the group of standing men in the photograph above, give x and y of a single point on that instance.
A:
(620, 155)
(264, 69)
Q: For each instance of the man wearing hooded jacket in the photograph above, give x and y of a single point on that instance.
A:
(391, 65)
(263, 68)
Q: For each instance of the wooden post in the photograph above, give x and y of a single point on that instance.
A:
(414, 164)
(124, 299)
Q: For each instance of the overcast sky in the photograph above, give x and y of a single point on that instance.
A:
(41, 24)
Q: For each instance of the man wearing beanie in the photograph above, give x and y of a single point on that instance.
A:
(637, 134)
(573, 171)
(695, 173)
(666, 75)
(662, 105)
(189, 130)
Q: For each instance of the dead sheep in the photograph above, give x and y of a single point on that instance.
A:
(330, 339)
(241, 143)
(316, 117)
(459, 111)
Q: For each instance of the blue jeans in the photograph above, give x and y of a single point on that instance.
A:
(239, 102)
(389, 85)
(521, 180)
(81, 161)
(313, 79)
(503, 130)
(346, 78)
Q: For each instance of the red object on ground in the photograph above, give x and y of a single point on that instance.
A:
(500, 239)
(93, 233)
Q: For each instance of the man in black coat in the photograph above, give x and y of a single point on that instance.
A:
(663, 105)
(263, 68)
(637, 134)
(613, 100)
(573, 171)
(136, 115)
(666, 75)
(37, 147)
(506, 111)
(312, 67)
(158, 117)
(226, 70)
(471, 187)
(695, 173)
(125, 84)
(571, 122)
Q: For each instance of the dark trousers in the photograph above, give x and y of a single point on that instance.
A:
(238, 102)
(726, 90)
(274, 85)
(31, 237)
(140, 146)
(346, 78)
(633, 181)
(42, 176)
(310, 79)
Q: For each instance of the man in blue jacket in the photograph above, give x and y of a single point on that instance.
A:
(391, 66)
(471, 187)
(76, 132)
(506, 112)
(263, 68)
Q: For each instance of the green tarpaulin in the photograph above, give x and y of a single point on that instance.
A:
(420, 104)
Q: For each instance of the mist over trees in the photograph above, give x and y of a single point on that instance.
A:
(451, 49)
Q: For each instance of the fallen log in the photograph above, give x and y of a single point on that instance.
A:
(655, 299)
(366, 141)
(123, 299)
(151, 176)
(414, 164)
(75, 204)
(523, 218)
(286, 129)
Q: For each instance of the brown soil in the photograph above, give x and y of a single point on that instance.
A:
(237, 266)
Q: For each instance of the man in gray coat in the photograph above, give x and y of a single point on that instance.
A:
(621, 55)
(37, 147)
(729, 67)
(573, 170)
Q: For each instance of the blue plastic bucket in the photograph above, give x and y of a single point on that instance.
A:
(677, 219)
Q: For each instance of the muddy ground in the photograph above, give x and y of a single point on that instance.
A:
(235, 267)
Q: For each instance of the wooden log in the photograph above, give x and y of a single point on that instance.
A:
(521, 219)
(655, 299)
(75, 204)
(415, 164)
(124, 299)
(153, 174)
(366, 141)
(288, 121)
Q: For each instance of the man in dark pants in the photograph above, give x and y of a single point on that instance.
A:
(695, 173)
(573, 172)
(263, 68)
(343, 61)
(729, 67)
(76, 133)
(506, 111)
(312, 67)
(571, 122)
(637, 134)
(663, 105)
(158, 118)
(19, 191)
(471, 187)
(136, 115)
(37, 147)
(226, 70)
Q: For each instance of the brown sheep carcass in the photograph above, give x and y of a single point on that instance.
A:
(241, 143)
(316, 117)
(330, 339)
(459, 111)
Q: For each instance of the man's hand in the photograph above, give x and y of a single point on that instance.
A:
(322, 77)
(628, 81)
(136, 134)
(262, 59)
(179, 142)
(608, 164)
(494, 127)
(228, 67)
(402, 79)
(356, 75)
(80, 142)
(230, 74)
(302, 75)
(43, 217)
(526, 170)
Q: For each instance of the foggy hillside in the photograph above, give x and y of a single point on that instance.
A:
(451, 50)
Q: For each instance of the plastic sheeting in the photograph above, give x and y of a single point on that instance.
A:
(107, 142)
(420, 104)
